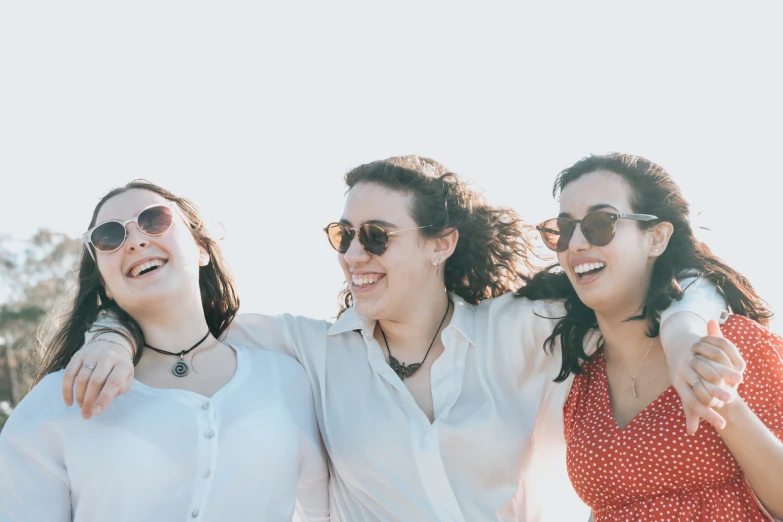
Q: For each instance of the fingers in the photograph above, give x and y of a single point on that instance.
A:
(710, 395)
(69, 378)
(706, 413)
(694, 409)
(709, 379)
(727, 347)
(83, 378)
(93, 388)
(117, 383)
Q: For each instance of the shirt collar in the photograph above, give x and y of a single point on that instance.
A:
(461, 321)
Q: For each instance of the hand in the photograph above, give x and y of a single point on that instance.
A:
(713, 358)
(95, 389)
(684, 377)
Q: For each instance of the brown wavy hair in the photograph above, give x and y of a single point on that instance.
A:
(218, 297)
(493, 248)
(653, 191)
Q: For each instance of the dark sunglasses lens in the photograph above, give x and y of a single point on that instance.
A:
(108, 237)
(556, 234)
(373, 238)
(156, 220)
(598, 228)
(339, 237)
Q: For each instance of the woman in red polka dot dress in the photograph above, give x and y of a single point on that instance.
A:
(621, 237)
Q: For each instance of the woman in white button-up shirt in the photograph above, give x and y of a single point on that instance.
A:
(476, 432)
(217, 433)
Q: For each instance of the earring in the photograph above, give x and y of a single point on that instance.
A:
(436, 261)
(657, 250)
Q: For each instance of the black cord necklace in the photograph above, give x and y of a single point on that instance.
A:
(180, 368)
(401, 369)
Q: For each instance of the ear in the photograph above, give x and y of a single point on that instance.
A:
(203, 255)
(661, 234)
(445, 245)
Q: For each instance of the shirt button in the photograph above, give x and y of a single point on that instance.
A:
(195, 513)
(207, 473)
(209, 434)
(205, 406)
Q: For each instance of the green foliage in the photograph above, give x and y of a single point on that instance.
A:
(34, 274)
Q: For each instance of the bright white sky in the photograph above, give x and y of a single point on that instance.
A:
(255, 110)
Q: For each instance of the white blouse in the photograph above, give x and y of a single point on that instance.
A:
(496, 449)
(247, 453)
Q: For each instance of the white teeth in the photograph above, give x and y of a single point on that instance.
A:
(364, 280)
(581, 269)
(144, 266)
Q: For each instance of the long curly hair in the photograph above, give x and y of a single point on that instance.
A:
(653, 191)
(218, 297)
(493, 248)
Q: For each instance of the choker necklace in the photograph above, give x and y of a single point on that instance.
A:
(180, 368)
(401, 369)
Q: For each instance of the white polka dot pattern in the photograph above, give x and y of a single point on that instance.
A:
(652, 470)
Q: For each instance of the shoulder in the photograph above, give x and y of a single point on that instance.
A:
(745, 333)
(761, 349)
(523, 311)
(42, 405)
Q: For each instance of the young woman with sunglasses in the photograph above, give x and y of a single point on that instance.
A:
(622, 237)
(426, 404)
(207, 431)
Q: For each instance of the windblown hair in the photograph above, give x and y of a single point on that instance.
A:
(218, 296)
(653, 191)
(492, 249)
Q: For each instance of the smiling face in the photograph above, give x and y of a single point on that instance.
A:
(148, 270)
(382, 286)
(611, 279)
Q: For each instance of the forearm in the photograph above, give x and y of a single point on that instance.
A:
(758, 451)
(678, 333)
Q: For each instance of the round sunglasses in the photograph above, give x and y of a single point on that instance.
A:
(109, 236)
(597, 227)
(373, 238)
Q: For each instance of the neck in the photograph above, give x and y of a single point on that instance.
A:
(174, 329)
(626, 341)
(411, 335)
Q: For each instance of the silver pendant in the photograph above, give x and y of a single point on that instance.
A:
(180, 368)
(633, 387)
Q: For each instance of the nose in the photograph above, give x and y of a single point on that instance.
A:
(578, 241)
(136, 239)
(356, 252)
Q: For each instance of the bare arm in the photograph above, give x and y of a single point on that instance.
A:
(754, 424)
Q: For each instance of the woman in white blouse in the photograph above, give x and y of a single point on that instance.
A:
(207, 431)
(430, 407)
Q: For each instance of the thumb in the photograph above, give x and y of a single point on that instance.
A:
(713, 329)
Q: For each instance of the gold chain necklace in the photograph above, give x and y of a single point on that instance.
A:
(633, 377)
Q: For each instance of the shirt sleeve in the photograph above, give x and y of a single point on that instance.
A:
(34, 484)
(702, 297)
(312, 492)
(280, 333)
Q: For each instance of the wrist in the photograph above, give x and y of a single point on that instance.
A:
(734, 412)
(116, 339)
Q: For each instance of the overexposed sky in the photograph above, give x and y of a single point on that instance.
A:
(255, 110)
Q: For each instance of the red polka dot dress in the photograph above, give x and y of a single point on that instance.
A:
(651, 470)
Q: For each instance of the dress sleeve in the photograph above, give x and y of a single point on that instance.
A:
(702, 297)
(34, 484)
(762, 385)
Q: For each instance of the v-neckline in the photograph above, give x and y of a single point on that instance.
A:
(608, 399)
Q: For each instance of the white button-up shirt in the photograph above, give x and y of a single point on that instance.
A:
(496, 449)
(246, 453)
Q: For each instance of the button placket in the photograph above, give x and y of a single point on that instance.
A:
(207, 426)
